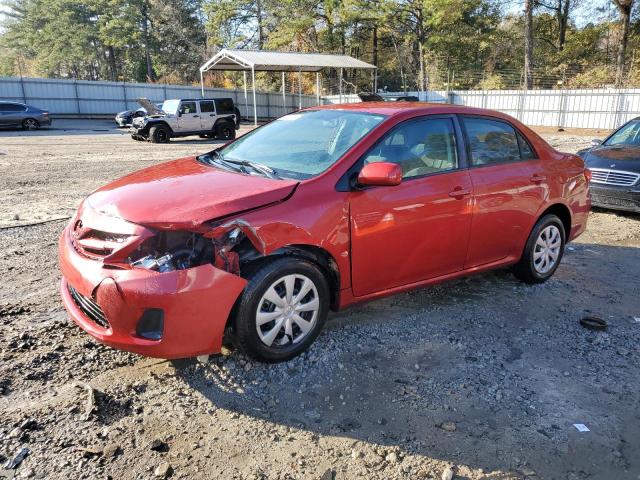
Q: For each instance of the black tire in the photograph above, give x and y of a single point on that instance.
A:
(526, 269)
(159, 134)
(244, 322)
(225, 131)
(238, 117)
(30, 124)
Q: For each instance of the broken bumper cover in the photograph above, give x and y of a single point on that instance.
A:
(109, 304)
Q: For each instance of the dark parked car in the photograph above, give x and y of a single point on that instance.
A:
(374, 97)
(13, 114)
(125, 119)
(615, 166)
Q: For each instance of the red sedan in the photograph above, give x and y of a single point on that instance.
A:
(317, 210)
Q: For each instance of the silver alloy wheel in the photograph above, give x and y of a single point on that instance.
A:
(547, 249)
(30, 124)
(287, 311)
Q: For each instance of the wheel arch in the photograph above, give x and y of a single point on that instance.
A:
(24, 120)
(561, 211)
(313, 253)
(157, 123)
(220, 121)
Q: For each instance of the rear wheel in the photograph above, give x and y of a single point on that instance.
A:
(30, 124)
(282, 309)
(225, 131)
(543, 251)
(159, 134)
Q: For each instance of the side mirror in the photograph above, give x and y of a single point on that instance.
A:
(595, 142)
(380, 174)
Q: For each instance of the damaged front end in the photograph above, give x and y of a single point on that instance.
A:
(168, 250)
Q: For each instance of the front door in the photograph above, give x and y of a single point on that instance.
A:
(189, 119)
(420, 228)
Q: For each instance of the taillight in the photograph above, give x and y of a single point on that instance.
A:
(587, 175)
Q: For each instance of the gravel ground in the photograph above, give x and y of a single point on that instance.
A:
(479, 378)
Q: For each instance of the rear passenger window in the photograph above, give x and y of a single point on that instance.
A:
(491, 141)
(12, 107)
(206, 107)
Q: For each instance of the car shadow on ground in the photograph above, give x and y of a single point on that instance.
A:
(484, 371)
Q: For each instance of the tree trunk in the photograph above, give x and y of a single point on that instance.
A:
(151, 77)
(375, 45)
(259, 19)
(563, 21)
(113, 67)
(528, 44)
(624, 7)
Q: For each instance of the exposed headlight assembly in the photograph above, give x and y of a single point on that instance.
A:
(168, 251)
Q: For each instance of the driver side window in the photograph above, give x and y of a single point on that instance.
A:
(420, 147)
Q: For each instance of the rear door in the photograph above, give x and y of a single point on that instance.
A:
(207, 114)
(189, 118)
(420, 228)
(507, 190)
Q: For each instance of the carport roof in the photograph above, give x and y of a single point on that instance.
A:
(267, 61)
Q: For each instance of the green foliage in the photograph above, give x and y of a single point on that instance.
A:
(428, 43)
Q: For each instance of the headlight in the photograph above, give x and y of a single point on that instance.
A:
(168, 251)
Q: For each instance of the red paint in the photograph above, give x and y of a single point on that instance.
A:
(383, 239)
(380, 174)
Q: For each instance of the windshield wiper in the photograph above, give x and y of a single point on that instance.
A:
(258, 167)
(216, 158)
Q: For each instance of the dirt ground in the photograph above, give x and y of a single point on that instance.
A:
(483, 377)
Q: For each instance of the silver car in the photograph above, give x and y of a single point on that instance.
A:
(13, 114)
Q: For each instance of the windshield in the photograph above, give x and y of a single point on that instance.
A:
(629, 134)
(303, 144)
(170, 106)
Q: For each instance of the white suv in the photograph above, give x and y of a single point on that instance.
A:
(209, 118)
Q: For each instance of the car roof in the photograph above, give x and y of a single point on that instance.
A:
(399, 108)
(198, 99)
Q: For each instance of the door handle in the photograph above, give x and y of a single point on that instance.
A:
(536, 178)
(196, 116)
(459, 192)
(212, 114)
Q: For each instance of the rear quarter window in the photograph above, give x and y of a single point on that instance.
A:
(224, 105)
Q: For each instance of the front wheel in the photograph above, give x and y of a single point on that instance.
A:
(159, 134)
(30, 124)
(543, 251)
(282, 310)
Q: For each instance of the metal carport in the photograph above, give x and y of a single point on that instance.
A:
(265, 61)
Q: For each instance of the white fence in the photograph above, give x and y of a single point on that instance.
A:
(597, 108)
(593, 108)
(69, 97)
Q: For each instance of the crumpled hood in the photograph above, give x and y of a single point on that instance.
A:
(184, 194)
(150, 107)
